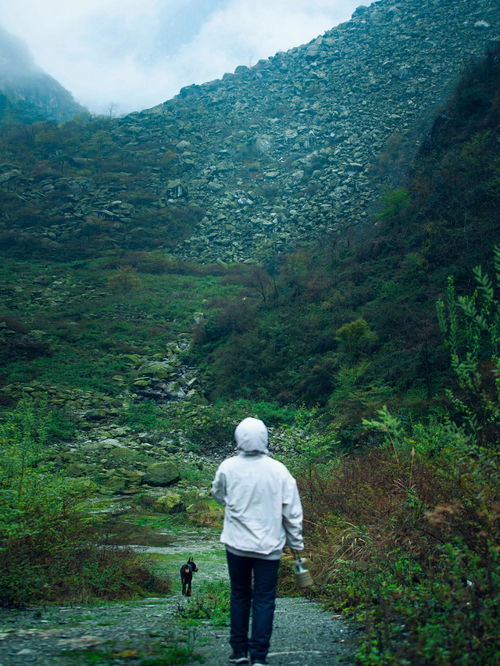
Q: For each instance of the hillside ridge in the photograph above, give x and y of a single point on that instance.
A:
(21, 80)
(248, 166)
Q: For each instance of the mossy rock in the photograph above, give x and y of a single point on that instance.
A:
(162, 474)
(205, 513)
(116, 484)
(169, 503)
(125, 456)
(107, 443)
(95, 415)
(158, 370)
(142, 382)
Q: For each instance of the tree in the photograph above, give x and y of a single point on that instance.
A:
(355, 337)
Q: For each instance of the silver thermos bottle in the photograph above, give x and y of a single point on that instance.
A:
(302, 574)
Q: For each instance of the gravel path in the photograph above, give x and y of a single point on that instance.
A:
(303, 632)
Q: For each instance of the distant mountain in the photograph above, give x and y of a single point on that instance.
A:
(26, 87)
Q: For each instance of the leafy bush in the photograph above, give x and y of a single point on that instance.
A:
(271, 413)
(37, 425)
(355, 337)
(471, 325)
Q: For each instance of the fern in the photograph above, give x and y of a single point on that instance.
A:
(470, 325)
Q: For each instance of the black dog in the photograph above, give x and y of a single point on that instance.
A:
(187, 571)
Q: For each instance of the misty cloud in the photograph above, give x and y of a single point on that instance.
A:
(137, 54)
(15, 59)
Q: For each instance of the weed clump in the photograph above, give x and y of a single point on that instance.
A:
(211, 604)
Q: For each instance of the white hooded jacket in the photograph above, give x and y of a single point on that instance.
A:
(262, 505)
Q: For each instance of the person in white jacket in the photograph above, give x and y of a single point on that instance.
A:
(262, 514)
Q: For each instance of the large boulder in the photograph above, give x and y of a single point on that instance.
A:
(121, 480)
(115, 483)
(162, 474)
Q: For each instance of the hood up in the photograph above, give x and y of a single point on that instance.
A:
(251, 437)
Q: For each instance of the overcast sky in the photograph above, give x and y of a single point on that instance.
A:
(137, 53)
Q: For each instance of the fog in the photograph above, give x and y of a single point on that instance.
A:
(124, 55)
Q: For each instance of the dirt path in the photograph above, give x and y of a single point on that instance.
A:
(115, 633)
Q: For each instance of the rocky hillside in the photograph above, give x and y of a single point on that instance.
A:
(297, 143)
(21, 81)
(244, 167)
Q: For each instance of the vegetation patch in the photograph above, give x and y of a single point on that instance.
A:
(171, 652)
(211, 603)
(49, 549)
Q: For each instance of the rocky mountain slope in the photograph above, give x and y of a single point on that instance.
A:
(295, 145)
(300, 144)
(22, 81)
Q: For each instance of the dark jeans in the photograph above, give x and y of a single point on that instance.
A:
(259, 598)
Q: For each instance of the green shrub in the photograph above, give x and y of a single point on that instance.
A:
(471, 326)
(270, 412)
(37, 423)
